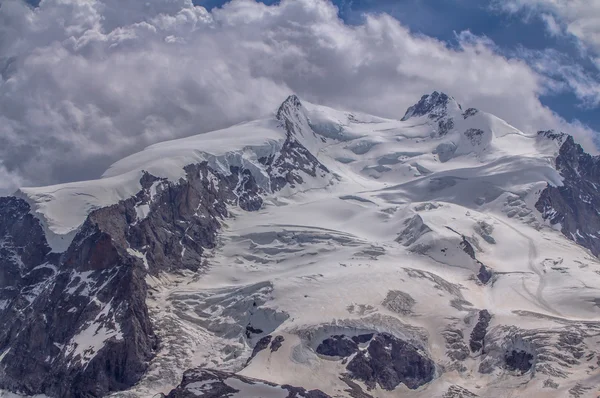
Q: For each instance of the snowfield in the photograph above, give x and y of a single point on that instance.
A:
(424, 225)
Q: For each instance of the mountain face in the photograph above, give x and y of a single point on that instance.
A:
(573, 206)
(316, 253)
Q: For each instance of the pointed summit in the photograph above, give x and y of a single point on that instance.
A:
(559, 137)
(289, 107)
(294, 119)
(436, 105)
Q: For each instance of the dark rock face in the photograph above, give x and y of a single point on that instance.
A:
(251, 330)
(467, 248)
(206, 383)
(458, 392)
(276, 343)
(480, 330)
(574, 204)
(261, 345)
(337, 346)
(435, 105)
(485, 274)
(445, 151)
(379, 359)
(354, 390)
(445, 125)
(470, 112)
(23, 248)
(519, 361)
(389, 361)
(474, 135)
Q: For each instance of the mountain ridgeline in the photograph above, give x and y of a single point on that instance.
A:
(317, 238)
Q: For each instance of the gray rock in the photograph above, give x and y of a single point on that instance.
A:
(435, 105)
(456, 349)
(399, 302)
(276, 343)
(389, 361)
(445, 125)
(470, 112)
(480, 330)
(485, 230)
(337, 346)
(573, 205)
(484, 274)
(519, 360)
(294, 159)
(475, 136)
(458, 392)
(262, 344)
(208, 383)
(414, 229)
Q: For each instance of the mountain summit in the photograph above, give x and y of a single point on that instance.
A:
(314, 253)
(434, 105)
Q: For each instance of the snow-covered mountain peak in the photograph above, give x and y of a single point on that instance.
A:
(435, 105)
(293, 118)
(290, 108)
(320, 248)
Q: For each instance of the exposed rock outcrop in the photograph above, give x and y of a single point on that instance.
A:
(276, 343)
(484, 274)
(389, 362)
(294, 159)
(208, 383)
(572, 206)
(435, 105)
(519, 360)
(479, 331)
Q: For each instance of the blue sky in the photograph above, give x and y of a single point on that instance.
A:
(442, 19)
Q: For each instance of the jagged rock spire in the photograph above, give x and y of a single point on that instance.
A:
(290, 107)
(294, 119)
(435, 105)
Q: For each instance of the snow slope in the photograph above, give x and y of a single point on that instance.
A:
(63, 208)
(380, 251)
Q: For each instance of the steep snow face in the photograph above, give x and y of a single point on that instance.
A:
(384, 257)
(63, 208)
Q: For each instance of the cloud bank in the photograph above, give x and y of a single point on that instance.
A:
(578, 18)
(575, 20)
(86, 82)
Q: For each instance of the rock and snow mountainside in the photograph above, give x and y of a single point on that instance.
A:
(317, 253)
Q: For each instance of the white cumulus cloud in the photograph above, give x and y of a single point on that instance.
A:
(86, 82)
